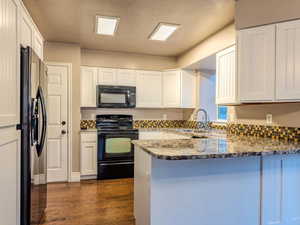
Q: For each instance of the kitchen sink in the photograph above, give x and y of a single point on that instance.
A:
(198, 137)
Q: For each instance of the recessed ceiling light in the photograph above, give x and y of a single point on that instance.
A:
(106, 25)
(163, 31)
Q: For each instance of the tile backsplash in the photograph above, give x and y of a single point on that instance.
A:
(275, 132)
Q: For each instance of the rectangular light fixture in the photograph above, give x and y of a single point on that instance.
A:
(106, 25)
(163, 31)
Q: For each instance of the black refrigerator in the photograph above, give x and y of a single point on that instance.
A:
(33, 128)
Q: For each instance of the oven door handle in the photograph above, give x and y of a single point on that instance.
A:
(117, 163)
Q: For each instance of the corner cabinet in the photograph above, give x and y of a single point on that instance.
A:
(256, 64)
(149, 89)
(226, 77)
(88, 77)
(88, 154)
(179, 89)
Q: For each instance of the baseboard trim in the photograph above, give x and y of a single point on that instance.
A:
(75, 177)
(88, 177)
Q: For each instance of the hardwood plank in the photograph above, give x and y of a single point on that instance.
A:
(108, 202)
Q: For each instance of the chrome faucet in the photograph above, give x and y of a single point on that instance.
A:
(201, 124)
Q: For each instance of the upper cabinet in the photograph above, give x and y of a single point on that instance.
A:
(9, 63)
(288, 61)
(256, 64)
(149, 89)
(88, 77)
(154, 89)
(107, 76)
(120, 77)
(226, 79)
(179, 89)
(268, 63)
(30, 36)
(126, 77)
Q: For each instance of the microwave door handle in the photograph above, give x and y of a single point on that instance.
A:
(40, 144)
(128, 98)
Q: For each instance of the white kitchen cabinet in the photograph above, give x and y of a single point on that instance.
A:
(9, 63)
(88, 154)
(256, 64)
(30, 36)
(226, 80)
(288, 61)
(26, 30)
(38, 44)
(179, 89)
(149, 89)
(88, 77)
(280, 190)
(10, 174)
(107, 76)
(126, 77)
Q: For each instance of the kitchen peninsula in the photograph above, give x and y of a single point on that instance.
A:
(217, 180)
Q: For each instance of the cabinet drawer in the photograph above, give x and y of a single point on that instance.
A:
(89, 137)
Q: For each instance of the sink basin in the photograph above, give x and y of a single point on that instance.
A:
(198, 137)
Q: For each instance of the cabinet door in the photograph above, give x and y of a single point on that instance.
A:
(88, 158)
(26, 30)
(171, 88)
(38, 44)
(126, 77)
(149, 89)
(107, 76)
(280, 190)
(226, 87)
(88, 78)
(9, 175)
(188, 89)
(256, 64)
(9, 63)
(287, 66)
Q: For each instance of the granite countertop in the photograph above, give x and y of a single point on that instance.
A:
(88, 130)
(215, 145)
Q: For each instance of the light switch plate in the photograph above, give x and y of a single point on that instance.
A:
(165, 116)
(269, 118)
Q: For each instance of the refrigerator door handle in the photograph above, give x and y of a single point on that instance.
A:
(34, 122)
(40, 144)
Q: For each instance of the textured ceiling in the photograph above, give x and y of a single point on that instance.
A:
(74, 21)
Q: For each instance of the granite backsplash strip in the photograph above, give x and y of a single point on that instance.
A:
(275, 132)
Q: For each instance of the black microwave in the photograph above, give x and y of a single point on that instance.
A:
(109, 96)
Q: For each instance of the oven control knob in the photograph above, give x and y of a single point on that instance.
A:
(63, 132)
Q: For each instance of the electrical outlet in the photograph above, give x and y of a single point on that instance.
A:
(165, 116)
(269, 118)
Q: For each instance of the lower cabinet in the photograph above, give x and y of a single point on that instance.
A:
(248, 190)
(10, 176)
(280, 190)
(88, 154)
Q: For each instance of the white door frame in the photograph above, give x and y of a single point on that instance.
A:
(69, 99)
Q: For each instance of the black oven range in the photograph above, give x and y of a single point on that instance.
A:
(115, 150)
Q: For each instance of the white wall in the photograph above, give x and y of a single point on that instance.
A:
(207, 94)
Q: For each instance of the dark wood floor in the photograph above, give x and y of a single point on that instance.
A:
(108, 202)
